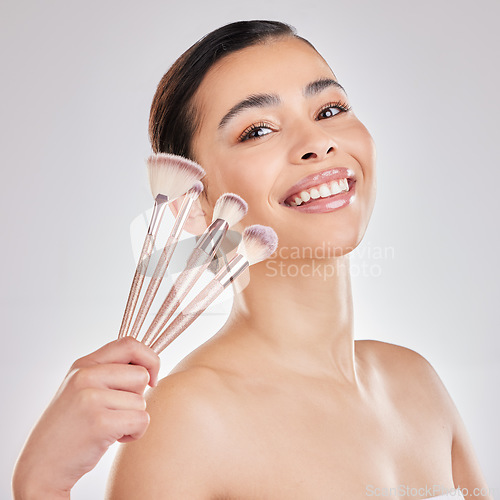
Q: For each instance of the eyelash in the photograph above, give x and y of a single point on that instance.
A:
(245, 135)
(252, 128)
(343, 106)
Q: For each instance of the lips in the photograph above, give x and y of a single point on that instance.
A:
(328, 185)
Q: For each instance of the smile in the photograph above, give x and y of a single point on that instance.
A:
(322, 192)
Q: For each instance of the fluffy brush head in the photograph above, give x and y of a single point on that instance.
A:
(258, 243)
(196, 190)
(231, 208)
(172, 175)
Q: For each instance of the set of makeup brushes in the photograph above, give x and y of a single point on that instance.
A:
(170, 177)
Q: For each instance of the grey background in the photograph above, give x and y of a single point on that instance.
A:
(77, 82)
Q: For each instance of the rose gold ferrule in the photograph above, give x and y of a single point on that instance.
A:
(235, 267)
(213, 237)
(180, 220)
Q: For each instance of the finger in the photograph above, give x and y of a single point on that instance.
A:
(116, 376)
(125, 350)
(96, 399)
(119, 400)
(129, 424)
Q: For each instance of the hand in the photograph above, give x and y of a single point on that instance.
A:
(99, 402)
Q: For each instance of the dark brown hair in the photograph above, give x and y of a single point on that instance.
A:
(172, 121)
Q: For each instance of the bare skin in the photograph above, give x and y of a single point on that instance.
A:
(251, 429)
(282, 402)
(99, 402)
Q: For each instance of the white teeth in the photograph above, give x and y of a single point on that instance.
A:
(324, 192)
(335, 187)
(314, 193)
(305, 196)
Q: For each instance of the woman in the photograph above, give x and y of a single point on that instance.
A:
(282, 403)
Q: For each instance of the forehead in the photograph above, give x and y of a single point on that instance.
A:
(279, 67)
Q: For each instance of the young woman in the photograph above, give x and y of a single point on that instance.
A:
(282, 403)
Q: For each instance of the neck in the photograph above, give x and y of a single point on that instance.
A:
(301, 312)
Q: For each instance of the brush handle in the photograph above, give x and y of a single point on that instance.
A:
(135, 289)
(163, 262)
(188, 315)
(154, 284)
(197, 263)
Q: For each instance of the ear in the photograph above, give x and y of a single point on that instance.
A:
(195, 223)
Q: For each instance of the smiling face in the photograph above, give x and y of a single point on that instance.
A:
(276, 128)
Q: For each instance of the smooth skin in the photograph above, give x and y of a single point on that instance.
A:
(282, 403)
(99, 402)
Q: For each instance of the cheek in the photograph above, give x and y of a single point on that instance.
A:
(249, 174)
(359, 144)
(258, 172)
(367, 157)
(253, 185)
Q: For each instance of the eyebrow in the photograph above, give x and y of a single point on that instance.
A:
(266, 100)
(319, 85)
(252, 101)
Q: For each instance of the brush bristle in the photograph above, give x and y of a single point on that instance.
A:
(172, 175)
(231, 208)
(196, 190)
(258, 243)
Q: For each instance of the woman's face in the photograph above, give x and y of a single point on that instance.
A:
(276, 129)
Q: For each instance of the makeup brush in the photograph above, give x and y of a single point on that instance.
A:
(228, 211)
(258, 243)
(169, 177)
(165, 256)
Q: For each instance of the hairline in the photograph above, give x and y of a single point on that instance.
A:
(191, 108)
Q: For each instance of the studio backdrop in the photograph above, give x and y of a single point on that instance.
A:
(76, 88)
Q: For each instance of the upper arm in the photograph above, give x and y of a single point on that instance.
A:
(417, 372)
(465, 466)
(179, 456)
(466, 470)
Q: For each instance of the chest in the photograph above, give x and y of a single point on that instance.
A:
(319, 448)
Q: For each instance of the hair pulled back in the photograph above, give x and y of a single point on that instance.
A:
(172, 120)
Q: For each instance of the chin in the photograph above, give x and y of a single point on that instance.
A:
(320, 242)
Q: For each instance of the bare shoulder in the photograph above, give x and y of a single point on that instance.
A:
(414, 384)
(394, 357)
(182, 453)
(196, 385)
(406, 371)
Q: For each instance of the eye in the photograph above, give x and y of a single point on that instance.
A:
(331, 109)
(255, 131)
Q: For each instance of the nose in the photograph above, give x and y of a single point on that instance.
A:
(311, 144)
